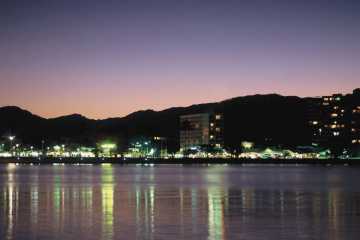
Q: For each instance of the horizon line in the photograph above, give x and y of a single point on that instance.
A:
(164, 109)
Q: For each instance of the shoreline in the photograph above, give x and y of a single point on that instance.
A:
(185, 161)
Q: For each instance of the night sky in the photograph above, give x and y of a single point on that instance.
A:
(105, 58)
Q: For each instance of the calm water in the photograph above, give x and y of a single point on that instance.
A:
(179, 202)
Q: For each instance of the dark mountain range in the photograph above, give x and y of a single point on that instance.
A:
(264, 119)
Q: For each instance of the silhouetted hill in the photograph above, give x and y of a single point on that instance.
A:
(22, 123)
(265, 119)
(70, 118)
(73, 128)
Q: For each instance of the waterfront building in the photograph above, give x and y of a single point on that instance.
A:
(355, 119)
(203, 129)
(334, 121)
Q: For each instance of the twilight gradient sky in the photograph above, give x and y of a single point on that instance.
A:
(105, 58)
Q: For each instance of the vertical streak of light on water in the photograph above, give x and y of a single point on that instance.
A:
(107, 201)
(181, 192)
(34, 190)
(12, 197)
(57, 200)
(152, 212)
(138, 202)
(215, 215)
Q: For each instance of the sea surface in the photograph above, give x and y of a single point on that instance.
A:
(86, 202)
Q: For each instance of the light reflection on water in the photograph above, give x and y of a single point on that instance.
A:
(181, 202)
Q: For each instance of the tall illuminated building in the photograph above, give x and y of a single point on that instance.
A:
(355, 120)
(334, 121)
(203, 129)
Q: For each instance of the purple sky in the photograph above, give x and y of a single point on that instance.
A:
(109, 58)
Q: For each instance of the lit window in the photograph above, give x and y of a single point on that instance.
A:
(315, 122)
(336, 133)
(211, 137)
(218, 117)
(217, 129)
(334, 115)
(211, 124)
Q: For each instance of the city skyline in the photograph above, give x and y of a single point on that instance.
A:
(111, 58)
